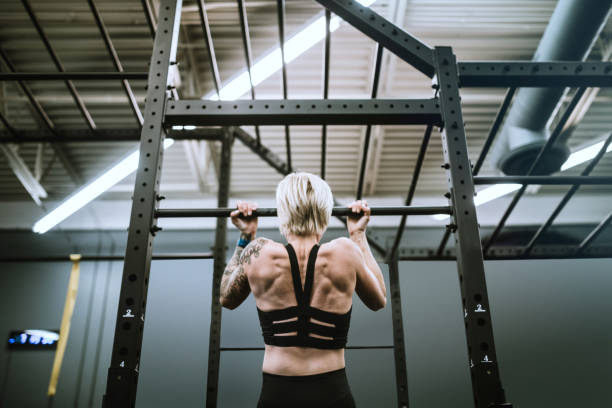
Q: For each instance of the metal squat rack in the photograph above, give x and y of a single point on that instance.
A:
(445, 111)
(163, 109)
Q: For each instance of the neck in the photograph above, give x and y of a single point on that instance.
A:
(301, 241)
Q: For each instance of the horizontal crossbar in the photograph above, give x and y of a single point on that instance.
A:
(303, 112)
(535, 74)
(271, 212)
(59, 76)
(100, 258)
(509, 252)
(392, 37)
(544, 180)
(103, 135)
(262, 348)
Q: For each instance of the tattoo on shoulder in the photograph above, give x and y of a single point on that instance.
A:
(253, 250)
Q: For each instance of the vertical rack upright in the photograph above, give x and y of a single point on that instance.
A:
(486, 383)
(123, 372)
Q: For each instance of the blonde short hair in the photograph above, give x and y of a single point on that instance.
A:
(304, 204)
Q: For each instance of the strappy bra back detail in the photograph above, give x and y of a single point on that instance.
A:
(314, 327)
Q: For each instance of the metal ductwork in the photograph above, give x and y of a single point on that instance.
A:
(573, 28)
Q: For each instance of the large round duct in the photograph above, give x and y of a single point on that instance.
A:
(524, 145)
(571, 31)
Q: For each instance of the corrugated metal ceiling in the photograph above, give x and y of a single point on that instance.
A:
(477, 29)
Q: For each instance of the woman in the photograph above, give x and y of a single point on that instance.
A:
(303, 292)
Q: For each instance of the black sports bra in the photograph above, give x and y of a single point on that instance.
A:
(303, 311)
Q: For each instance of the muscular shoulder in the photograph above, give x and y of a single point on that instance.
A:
(342, 249)
(345, 244)
(259, 250)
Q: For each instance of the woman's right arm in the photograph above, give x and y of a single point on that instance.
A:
(370, 285)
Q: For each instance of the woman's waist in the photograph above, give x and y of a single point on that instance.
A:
(337, 373)
(298, 361)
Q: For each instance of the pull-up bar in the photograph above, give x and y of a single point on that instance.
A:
(271, 212)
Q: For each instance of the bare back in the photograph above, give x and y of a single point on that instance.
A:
(270, 280)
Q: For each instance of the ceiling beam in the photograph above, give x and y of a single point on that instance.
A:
(197, 156)
(587, 99)
(11, 136)
(197, 153)
(78, 100)
(397, 14)
(23, 173)
(30, 182)
(41, 116)
(115, 59)
(393, 38)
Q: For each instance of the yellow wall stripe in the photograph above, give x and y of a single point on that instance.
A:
(73, 286)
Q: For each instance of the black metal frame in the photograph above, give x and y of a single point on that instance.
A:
(505, 253)
(582, 180)
(554, 136)
(326, 60)
(535, 74)
(281, 36)
(101, 135)
(486, 382)
(271, 212)
(303, 112)
(438, 63)
(220, 249)
(68, 76)
(399, 348)
(368, 132)
(413, 184)
(246, 42)
(123, 372)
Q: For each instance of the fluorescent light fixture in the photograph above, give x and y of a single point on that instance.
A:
(235, 88)
(584, 155)
(487, 194)
(92, 190)
(491, 193)
(271, 62)
(499, 190)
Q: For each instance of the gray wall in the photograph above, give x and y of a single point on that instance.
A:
(549, 317)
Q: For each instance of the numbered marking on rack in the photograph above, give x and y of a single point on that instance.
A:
(479, 309)
(128, 313)
(486, 359)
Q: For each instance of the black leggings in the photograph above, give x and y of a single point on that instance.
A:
(330, 389)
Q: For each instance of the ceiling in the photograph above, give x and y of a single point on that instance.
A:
(476, 29)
